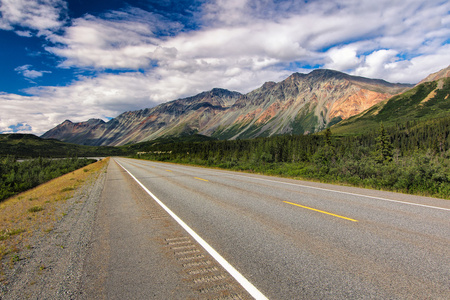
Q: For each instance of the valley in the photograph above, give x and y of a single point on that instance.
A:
(400, 144)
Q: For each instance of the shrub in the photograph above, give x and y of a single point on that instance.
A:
(35, 209)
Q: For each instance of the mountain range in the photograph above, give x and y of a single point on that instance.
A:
(300, 104)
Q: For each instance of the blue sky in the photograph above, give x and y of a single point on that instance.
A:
(82, 59)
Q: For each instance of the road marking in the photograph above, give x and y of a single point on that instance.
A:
(321, 211)
(340, 192)
(250, 288)
(335, 191)
(169, 170)
(201, 179)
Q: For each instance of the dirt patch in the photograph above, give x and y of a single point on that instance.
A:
(429, 97)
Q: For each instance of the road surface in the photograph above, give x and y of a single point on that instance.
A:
(287, 239)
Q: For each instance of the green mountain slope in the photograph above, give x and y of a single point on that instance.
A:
(28, 145)
(145, 146)
(425, 102)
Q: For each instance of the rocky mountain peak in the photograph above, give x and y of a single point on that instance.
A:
(268, 85)
(95, 121)
(216, 96)
(444, 73)
(325, 74)
(219, 92)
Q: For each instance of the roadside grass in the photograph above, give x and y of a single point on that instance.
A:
(35, 212)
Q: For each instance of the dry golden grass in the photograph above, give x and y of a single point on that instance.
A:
(36, 211)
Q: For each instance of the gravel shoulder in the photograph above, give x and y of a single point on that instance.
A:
(115, 242)
(52, 267)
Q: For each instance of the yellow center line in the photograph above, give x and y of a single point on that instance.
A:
(201, 179)
(168, 170)
(321, 211)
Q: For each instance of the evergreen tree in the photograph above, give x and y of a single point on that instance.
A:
(328, 137)
(384, 146)
(325, 155)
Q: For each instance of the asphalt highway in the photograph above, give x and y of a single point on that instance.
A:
(295, 240)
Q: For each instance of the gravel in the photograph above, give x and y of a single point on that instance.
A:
(53, 267)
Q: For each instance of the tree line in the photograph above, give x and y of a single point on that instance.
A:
(413, 157)
(16, 177)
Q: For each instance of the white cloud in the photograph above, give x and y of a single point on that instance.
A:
(27, 72)
(247, 35)
(119, 40)
(24, 33)
(38, 15)
(342, 58)
(15, 109)
(229, 12)
(377, 63)
(419, 67)
(19, 128)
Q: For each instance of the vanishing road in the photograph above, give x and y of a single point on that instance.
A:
(273, 237)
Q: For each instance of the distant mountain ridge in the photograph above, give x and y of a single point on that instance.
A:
(300, 104)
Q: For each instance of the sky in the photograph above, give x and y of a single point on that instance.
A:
(82, 59)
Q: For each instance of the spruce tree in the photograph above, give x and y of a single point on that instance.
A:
(384, 146)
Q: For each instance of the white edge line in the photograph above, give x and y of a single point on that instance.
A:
(340, 192)
(250, 288)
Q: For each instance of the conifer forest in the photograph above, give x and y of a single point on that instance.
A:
(413, 157)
